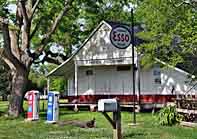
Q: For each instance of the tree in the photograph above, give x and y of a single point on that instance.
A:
(4, 80)
(169, 28)
(16, 51)
(35, 25)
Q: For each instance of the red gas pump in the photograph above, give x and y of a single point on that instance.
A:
(33, 105)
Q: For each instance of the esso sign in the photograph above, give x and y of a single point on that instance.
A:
(120, 37)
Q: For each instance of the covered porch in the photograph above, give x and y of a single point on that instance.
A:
(91, 80)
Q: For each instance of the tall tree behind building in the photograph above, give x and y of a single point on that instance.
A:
(170, 30)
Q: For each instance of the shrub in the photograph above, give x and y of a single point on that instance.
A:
(168, 116)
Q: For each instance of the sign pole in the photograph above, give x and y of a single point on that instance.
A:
(115, 121)
(133, 45)
(121, 37)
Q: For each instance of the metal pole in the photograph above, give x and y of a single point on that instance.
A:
(48, 85)
(133, 45)
(139, 84)
(76, 79)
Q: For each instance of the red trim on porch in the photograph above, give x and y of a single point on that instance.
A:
(144, 99)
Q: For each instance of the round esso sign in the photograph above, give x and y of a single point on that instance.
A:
(120, 37)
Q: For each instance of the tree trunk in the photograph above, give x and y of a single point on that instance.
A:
(4, 97)
(19, 83)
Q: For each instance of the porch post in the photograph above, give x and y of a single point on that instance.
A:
(133, 64)
(138, 78)
(76, 79)
(48, 85)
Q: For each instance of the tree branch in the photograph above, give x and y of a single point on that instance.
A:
(47, 36)
(14, 43)
(188, 2)
(8, 41)
(7, 53)
(35, 29)
(6, 60)
(55, 58)
(50, 60)
(6, 36)
(19, 17)
(63, 57)
(26, 26)
(34, 9)
(1, 52)
(24, 12)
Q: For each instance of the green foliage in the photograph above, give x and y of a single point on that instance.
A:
(38, 79)
(79, 22)
(168, 116)
(58, 84)
(81, 19)
(170, 29)
(104, 130)
(3, 9)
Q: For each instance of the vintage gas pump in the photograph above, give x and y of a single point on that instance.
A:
(53, 107)
(33, 105)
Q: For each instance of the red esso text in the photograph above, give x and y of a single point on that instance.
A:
(120, 36)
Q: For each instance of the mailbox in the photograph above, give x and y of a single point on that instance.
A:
(107, 105)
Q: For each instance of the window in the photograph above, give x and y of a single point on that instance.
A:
(157, 80)
(123, 68)
(89, 72)
(156, 72)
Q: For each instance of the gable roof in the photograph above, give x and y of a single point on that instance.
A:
(69, 63)
(64, 64)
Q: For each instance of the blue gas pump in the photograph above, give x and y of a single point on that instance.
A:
(53, 107)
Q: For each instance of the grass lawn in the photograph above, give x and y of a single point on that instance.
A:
(147, 128)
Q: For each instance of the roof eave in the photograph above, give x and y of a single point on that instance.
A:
(73, 55)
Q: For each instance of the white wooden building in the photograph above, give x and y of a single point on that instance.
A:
(100, 70)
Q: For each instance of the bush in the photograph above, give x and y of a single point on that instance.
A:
(168, 116)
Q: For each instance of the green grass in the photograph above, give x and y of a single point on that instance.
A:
(147, 128)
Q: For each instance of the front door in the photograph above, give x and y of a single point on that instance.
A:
(103, 80)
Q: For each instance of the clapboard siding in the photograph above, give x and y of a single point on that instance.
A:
(99, 51)
(107, 80)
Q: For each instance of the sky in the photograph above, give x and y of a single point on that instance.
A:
(12, 7)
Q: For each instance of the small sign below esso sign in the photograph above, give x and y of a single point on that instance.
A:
(107, 105)
(120, 37)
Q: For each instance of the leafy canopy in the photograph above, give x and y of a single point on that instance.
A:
(170, 30)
